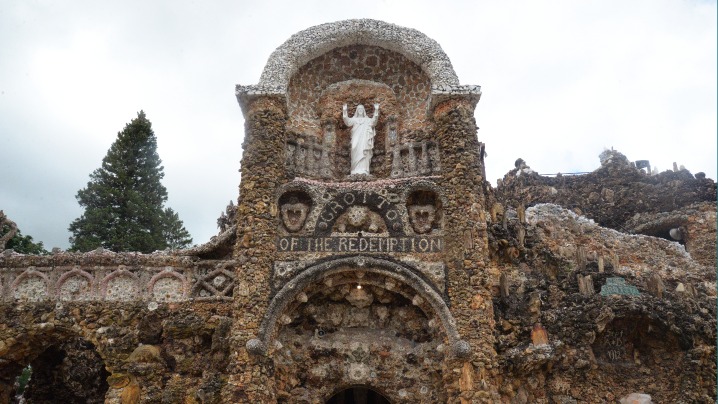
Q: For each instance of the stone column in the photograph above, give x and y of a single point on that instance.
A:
(466, 253)
(263, 170)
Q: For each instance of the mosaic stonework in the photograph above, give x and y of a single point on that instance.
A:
(218, 283)
(121, 285)
(406, 81)
(318, 40)
(168, 288)
(31, 286)
(618, 286)
(75, 285)
(403, 278)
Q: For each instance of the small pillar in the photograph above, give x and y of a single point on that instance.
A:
(585, 285)
(581, 259)
(504, 285)
(656, 286)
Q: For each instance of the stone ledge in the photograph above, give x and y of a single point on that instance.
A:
(246, 94)
(440, 93)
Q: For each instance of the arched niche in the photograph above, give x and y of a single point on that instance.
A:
(31, 285)
(357, 395)
(326, 110)
(312, 42)
(54, 365)
(120, 285)
(638, 341)
(636, 344)
(168, 286)
(68, 372)
(359, 326)
(383, 272)
(345, 303)
(358, 74)
(75, 284)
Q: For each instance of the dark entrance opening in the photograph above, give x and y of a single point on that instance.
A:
(358, 395)
(71, 372)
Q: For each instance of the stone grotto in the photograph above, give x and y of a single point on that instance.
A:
(368, 260)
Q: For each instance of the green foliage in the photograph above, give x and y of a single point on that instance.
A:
(23, 379)
(124, 199)
(24, 245)
(175, 234)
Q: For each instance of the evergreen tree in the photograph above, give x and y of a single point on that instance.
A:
(124, 199)
(175, 235)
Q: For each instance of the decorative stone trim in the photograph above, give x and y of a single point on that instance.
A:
(25, 288)
(414, 159)
(80, 283)
(168, 286)
(307, 157)
(69, 287)
(218, 283)
(306, 45)
(113, 287)
(440, 93)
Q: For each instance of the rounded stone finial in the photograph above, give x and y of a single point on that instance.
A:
(462, 349)
(256, 347)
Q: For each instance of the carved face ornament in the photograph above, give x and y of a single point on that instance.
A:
(294, 214)
(357, 215)
(422, 218)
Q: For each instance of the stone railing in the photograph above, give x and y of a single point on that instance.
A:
(308, 157)
(107, 276)
(415, 159)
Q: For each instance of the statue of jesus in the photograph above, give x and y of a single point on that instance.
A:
(362, 137)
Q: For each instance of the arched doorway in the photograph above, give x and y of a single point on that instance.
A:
(358, 321)
(358, 395)
(69, 372)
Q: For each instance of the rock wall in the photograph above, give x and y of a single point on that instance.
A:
(598, 343)
(611, 195)
(592, 313)
(620, 196)
(418, 282)
(118, 352)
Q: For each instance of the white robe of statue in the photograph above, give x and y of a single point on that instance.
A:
(362, 128)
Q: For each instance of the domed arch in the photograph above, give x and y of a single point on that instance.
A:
(306, 45)
(391, 270)
(65, 362)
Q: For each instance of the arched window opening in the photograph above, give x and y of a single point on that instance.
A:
(358, 395)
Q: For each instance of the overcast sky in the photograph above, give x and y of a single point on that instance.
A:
(561, 81)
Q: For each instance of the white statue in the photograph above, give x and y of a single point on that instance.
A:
(362, 137)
